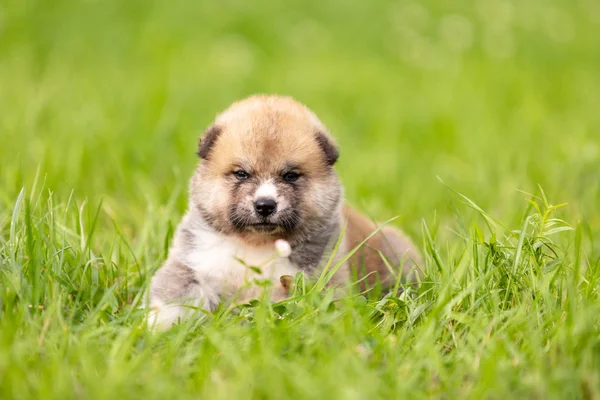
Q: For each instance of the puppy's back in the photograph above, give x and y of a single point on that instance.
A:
(397, 248)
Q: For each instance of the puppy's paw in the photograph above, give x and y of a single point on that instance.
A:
(163, 316)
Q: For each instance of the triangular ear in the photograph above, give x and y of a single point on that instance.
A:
(329, 148)
(207, 141)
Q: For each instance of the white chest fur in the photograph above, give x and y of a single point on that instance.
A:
(230, 266)
(223, 268)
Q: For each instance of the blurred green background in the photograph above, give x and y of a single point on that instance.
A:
(108, 98)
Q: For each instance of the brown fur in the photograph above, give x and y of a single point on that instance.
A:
(388, 243)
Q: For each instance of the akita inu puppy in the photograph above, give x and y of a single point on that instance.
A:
(267, 174)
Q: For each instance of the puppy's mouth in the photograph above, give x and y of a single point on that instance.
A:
(244, 222)
(264, 227)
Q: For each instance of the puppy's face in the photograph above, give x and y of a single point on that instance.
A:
(267, 172)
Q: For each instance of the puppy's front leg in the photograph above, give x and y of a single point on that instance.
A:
(176, 291)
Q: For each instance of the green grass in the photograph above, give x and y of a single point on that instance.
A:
(452, 116)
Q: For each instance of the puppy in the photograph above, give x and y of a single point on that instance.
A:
(266, 174)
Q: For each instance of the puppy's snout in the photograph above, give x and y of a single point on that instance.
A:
(265, 206)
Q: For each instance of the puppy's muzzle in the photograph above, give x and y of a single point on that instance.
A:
(265, 206)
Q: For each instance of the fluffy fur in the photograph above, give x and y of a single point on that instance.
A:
(273, 148)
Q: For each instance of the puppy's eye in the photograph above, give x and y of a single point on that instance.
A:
(291, 176)
(241, 175)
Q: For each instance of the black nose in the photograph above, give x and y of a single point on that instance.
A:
(265, 206)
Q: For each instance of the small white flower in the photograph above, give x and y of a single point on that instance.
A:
(283, 248)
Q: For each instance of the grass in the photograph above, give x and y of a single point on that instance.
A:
(468, 120)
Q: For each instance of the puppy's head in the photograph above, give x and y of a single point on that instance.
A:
(267, 172)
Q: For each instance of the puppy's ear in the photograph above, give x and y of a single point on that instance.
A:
(329, 148)
(207, 141)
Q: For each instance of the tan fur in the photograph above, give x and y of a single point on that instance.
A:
(388, 243)
(253, 133)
